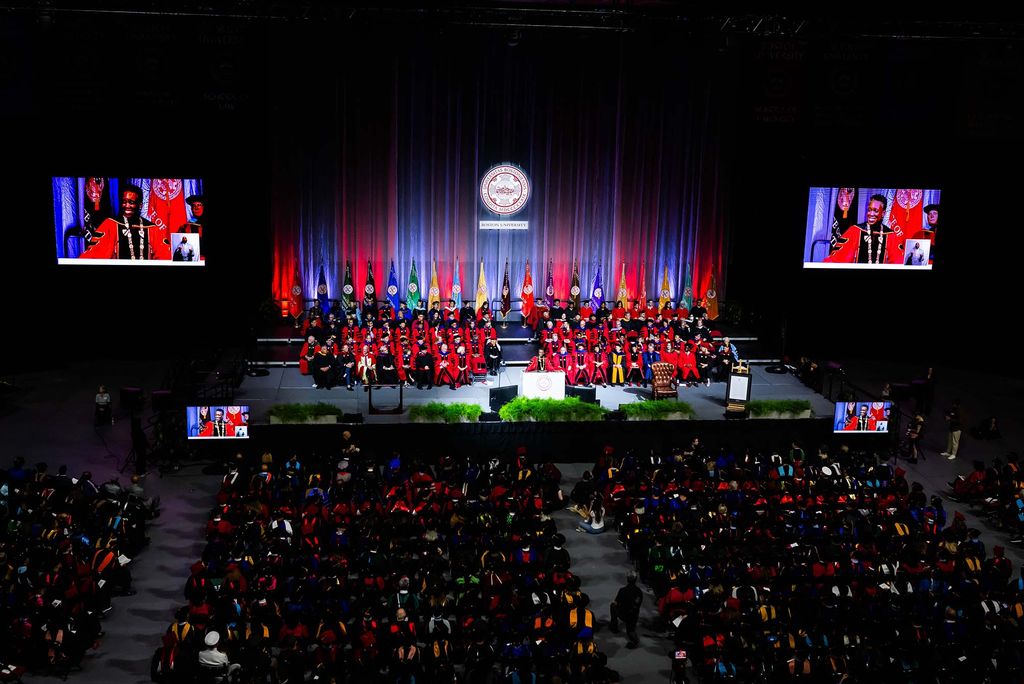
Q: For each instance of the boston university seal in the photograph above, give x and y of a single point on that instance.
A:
(504, 189)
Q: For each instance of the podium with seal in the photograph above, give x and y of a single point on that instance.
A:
(543, 385)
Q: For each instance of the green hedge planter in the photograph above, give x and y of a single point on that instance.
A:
(570, 409)
(440, 412)
(660, 409)
(780, 408)
(309, 414)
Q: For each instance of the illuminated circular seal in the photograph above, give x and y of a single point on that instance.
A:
(392, 290)
(505, 189)
(321, 289)
(528, 289)
(296, 290)
(348, 289)
(413, 288)
(369, 289)
(543, 383)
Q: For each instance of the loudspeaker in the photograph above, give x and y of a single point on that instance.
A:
(352, 418)
(499, 396)
(131, 398)
(162, 400)
(490, 417)
(586, 394)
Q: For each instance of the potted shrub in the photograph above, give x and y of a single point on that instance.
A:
(319, 413)
(780, 408)
(441, 412)
(660, 409)
(570, 409)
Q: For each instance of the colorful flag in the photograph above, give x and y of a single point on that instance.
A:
(712, 299)
(321, 292)
(348, 302)
(527, 296)
(666, 291)
(370, 289)
(412, 295)
(506, 293)
(549, 289)
(597, 291)
(574, 291)
(167, 212)
(296, 300)
(457, 287)
(481, 287)
(392, 291)
(686, 301)
(622, 295)
(842, 218)
(641, 286)
(434, 294)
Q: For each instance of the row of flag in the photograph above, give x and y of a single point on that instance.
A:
(527, 292)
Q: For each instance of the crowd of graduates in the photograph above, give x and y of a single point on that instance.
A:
(827, 567)
(377, 344)
(335, 570)
(65, 548)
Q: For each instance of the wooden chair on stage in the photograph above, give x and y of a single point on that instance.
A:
(663, 383)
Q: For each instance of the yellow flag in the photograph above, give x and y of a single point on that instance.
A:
(481, 287)
(623, 294)
(666, 293)
(434, 294)
(712, 299)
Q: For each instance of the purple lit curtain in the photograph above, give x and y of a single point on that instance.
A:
(381, 159)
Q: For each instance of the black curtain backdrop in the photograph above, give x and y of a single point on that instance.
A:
(381, 143)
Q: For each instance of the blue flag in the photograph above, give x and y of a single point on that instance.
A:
(322, 294)
(393, 287)
(457, 287)
(597, 291)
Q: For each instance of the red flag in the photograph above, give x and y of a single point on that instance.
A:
(527, 294)
(641, 287)
(167, 212)
(295, 300)
(905, 219)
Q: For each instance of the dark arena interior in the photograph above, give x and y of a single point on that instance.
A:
(510, 342)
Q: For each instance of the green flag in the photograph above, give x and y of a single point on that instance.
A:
(686, 301)
(347, 301)
(412, 297)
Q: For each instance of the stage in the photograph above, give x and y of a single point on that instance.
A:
(286, 385)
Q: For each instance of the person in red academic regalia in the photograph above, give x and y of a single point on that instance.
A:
(670, 355)
(871, 242)
(218, 427)
(446, 364)
(306, 354)
(861, 422)
(581, 367)
(687, 364)
(128, 235)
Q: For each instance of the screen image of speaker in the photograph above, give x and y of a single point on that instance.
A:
(586, 394)
(499, 396)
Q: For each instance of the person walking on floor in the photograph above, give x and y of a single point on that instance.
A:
(954, 423)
